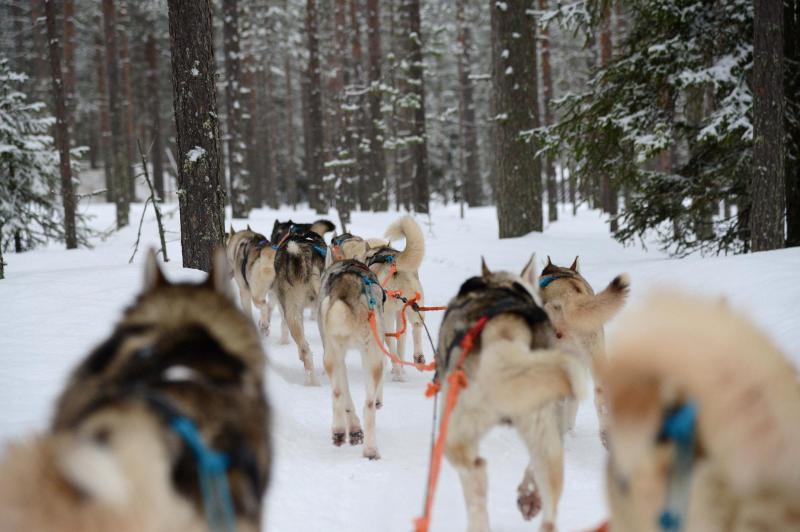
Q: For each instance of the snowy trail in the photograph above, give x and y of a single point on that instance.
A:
(56, 305)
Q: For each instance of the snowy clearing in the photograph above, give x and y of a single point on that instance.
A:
(56, 305)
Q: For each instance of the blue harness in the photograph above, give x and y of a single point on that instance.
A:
(680, 427)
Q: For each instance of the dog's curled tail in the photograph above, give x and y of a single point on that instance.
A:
(410, 259)
(322, 226)
(518, 379)
(339, 319)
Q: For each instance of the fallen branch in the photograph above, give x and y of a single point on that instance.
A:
(154, 200)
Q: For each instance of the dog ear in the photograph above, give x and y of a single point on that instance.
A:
(529, 274)
(219, 274)
(248, 227)
(484, 268)
(575, 266)
(232, 231)
(153, 276)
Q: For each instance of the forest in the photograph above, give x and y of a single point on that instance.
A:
(678, 119)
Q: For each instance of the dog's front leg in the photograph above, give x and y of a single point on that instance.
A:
(398, 372)
(416, 320)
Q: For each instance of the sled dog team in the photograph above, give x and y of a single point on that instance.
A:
(165, 425)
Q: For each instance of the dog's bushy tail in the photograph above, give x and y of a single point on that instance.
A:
(590, 312)
(518, 379)
(296, 267)
(322, 226)
(410, 259)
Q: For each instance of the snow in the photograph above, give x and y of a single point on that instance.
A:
(195, 154)
(56, 305)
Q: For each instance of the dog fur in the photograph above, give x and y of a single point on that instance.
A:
(281, 229)
(744, 477)
(578, 314)
(516, 377)
(343, 324)
(405, 280)
(298, 269)
(252, 261)
(109, 461)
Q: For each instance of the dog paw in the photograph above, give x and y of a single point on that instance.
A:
(338, 438)
(378, 404)
(371, 453)
(547, 527)
(398, 375)
(356, 437)
(529, 504)
(311, 379)
(604, 438)
(284, 340)
(263, 329)
(419, 358)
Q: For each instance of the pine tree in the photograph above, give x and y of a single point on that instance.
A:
(154, 105)
(473, 190)
(376, 168)
(791, 78)
(30, 166)
(200, 191)
(315, 134)
(233, 84)
(415, 106)
(518, 171)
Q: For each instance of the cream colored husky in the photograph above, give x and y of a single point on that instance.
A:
(735, 465)
(252, 261)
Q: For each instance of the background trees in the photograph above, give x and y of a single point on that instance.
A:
(647, 108)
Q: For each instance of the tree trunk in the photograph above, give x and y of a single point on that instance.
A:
(291, 168)
(266, 139)
(61, 127)
(472, 191)
(157, 149)
(416, 81)
(791, 65)
(340, 123)
(768, 188)
(240, 190)
(376, 167)
(315, 147)
(514, 84)
(608, 189)
(201, 193)
(254, 110)
(547, 95)
(358, 126)
(39, 46)
(69, 62)
(118, 149)
(102, 107)
(127, 101)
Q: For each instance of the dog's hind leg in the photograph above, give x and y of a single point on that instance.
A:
(467, 428)
(246, 300)
(336, 368)
(294, 320)
(372, 362)
(542, 436)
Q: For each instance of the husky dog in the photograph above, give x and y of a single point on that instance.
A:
(349, 292)
(299, 263)
(281, 229)
(516, 377)
(252, 261)
(401, 270)
(578, 315)
(179, 382)
(704, 421)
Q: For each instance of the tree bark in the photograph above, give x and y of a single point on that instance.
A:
(340, 122)
(69, 62)
(471, 179)
(61, 127)
(547, 96)
(376, 163)
(157, 149)
(291, 165)
(315, 147)
(105, 125)
(118, 148)
(768, 187)
(200, 190)
(514, 84)
(240, 190)
(792, 92)
(358, 126)
(608, 189)
(416, 82)
(255, 108)
(39, 45)
(267, 137)
(127, 101)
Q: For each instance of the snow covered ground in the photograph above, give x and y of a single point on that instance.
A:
(56, 305)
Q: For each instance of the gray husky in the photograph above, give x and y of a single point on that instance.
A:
(299, 262)
(178, 384)
(516, 377)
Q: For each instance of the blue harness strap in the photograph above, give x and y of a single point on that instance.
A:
(212, 469)
(680, 427)
(323, 252)
(546, 280)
